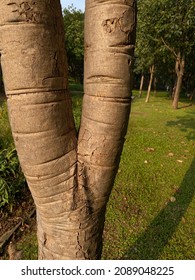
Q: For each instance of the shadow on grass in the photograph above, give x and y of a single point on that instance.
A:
(151, 243)
(185, 123)
(185, 106)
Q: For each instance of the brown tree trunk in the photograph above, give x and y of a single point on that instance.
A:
(70, 180)
(109, 47)
(141, 85)
(192, 95)
(155, 91)
(179, 68)
(150, 83)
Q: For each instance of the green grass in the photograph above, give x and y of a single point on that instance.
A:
(28, 246)
(151, 210)
(77, 95)
(75, 87)
(6, 139)
(150, 214)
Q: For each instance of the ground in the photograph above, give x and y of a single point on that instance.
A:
(22, 214)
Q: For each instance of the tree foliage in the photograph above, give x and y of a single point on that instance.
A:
(166, 31)
(74, 41)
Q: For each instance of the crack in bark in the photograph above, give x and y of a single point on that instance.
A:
(44, 239)
(103, 79)
(19, 91)
(81, 252)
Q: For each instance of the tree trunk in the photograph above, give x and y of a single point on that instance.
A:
(179, 68)
(192, 95)
(70, 182)
(141, 85)
(150, 83)
(155, 91)
(109, 47)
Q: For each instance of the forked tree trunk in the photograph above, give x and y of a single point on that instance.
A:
(150, 83)
(141, 85)
(70, 180)
(179, 68)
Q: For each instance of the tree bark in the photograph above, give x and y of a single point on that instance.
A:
(70, 180)
(35, 75)
(141, 85)
(179, 68)
(150, 83)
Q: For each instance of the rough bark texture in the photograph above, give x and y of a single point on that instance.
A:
(70, 182)
(35, 76)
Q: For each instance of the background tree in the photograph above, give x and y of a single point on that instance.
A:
(175, 29)
(70, 178)
(146, 47)
(74, 41)
(168, 26)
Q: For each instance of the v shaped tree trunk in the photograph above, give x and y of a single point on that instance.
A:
(70, 179)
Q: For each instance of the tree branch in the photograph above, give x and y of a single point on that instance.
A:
(168, 47)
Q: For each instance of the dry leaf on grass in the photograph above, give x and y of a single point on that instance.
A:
(149, 149)
(172, 199)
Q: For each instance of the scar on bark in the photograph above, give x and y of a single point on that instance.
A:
(112, 24)
(26, 11)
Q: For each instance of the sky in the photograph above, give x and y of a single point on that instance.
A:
(79, 4)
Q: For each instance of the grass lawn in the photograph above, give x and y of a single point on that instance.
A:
(151, 210)
(152, 207)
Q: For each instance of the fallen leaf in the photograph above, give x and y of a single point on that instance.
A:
(180, 161)
(170, 154)
(172, 199)
(184, 156)
(149, 149)
(183, 220)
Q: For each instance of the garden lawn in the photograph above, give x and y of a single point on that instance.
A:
(151, 210)
(152, 207)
